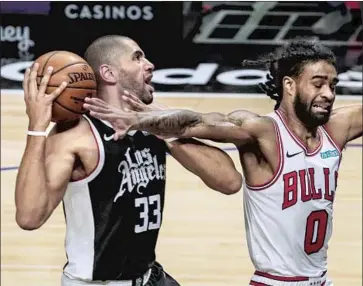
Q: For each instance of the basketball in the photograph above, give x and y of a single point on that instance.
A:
(80, 78)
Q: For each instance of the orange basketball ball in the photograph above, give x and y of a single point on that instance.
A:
(80, 78)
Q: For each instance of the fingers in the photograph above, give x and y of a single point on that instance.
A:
(33, 89)
(58, 90)
(96, 102)
(26, 83)
(132, 96)
(136, 106)
(98, 109)
(134, 101)
(45, 80)
(98, 115)
(158, 106)
(118, 135)
(99, 102)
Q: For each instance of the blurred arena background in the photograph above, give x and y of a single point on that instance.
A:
(197, 48)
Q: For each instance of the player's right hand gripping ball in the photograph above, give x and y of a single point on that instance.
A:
(80, 78)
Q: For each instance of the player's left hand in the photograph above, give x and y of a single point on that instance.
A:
(137, 105)
(120, 120)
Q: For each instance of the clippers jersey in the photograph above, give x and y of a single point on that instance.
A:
(289, 219)
(113, 216)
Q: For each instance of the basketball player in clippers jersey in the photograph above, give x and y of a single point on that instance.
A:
(112, 190)
(290, 160)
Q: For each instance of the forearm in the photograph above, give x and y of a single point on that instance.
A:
(31, 192)
(171, 122)
(187, 124)
(215, 168)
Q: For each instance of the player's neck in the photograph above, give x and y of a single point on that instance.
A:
(296, 125)
(112, 97)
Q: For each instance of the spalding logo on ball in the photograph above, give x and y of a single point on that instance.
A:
(80, 78)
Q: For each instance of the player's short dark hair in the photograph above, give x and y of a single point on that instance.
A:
(290, 61)
(104, 50)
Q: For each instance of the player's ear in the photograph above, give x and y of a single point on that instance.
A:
(107, 73)
(289, 85)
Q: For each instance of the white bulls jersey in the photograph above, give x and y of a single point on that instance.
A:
(289, 219)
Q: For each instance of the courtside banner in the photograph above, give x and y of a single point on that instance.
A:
(218, 36)
(23, 34)
(30, 29)
(196, 46)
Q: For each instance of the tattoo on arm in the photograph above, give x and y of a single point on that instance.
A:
(167, 122)
(175, 122)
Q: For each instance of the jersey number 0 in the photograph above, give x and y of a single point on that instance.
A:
(316, 225)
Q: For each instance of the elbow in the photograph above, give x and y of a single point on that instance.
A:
(28, 221)
(231, 184)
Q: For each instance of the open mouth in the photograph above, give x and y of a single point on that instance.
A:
(321, 107)
(148, 83)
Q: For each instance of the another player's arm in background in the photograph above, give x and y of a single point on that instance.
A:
(44, 172)
(346, 124)
(211, 164)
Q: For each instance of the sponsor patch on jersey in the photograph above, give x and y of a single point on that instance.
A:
(329, 153)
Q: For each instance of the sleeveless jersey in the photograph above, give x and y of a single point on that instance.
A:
(113, 216)
(289, 219)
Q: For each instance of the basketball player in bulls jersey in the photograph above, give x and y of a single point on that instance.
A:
(290, 158)
(112, 191)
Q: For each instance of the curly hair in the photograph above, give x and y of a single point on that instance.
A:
(290, 61)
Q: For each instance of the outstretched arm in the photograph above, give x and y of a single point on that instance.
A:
(355, 129)
(179, 123)
(346, 124)
(215, 126)
(211, 164)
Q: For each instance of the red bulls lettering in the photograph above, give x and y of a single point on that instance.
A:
(306, 180)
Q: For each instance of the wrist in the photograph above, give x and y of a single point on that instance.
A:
(135, 122)
(172, 141)
(37, 133)
(37, 127)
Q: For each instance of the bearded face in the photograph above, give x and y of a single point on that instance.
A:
(134, 82)
(135, 72)
(313, 113)
(315, 93)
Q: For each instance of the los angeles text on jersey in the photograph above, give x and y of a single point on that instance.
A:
(138, 170)
(304, 180)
